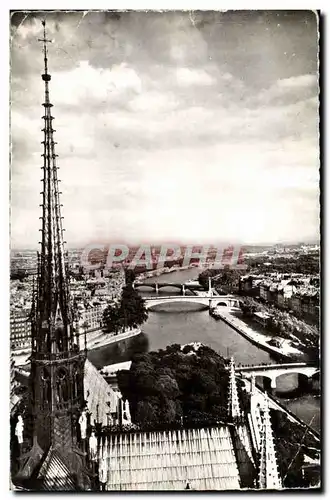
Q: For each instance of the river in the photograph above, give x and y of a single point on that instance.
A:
(183, 323)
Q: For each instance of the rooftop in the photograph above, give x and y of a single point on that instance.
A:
(98, 394)
(168, 460)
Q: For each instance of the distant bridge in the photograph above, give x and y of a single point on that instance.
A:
(206, 300)
(180, 286)
(305, 371)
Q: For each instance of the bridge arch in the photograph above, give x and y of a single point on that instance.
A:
(288, 382)
(284, 378)
(192, 299)
(177, 286)
(145, 285)
(265, 381)
(154, 304)
(205, 300)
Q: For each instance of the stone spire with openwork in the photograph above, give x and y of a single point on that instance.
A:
(269, 477)
(57, 363)
(233, 402)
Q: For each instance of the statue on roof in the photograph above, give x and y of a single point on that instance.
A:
(19, 429)
(83, 424)
(103, 474)
(93, 447)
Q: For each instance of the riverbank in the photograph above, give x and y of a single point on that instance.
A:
(159, 272)
(259, 340)
(95, 340)
(105, 339)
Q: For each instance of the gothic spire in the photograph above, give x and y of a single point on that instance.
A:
(53, 309)
(233, 403)
(269, 477)
(57, 364)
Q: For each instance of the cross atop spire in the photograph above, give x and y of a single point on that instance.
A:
(45, 40)
(269, 477)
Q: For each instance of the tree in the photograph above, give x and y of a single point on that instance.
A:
(132, 308)
(249, 306)
(228, 279)
(130, 313)
(129, 276)
(112, 319)
(168, 411)
(147, 412)
(203, 278)
(166, 385)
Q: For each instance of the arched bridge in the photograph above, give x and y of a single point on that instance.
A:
(180, 286)
(206, 300)
(272, 372)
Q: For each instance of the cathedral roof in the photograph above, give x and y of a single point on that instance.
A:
(98, 394)
(54, 474)
(168, 460)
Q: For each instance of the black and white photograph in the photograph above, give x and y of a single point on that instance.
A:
(164, 323)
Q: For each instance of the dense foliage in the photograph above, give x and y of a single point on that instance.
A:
(304, 264)
(175, 385)
(225, 280)
(130, 312)
(285, 325)
(292, 443)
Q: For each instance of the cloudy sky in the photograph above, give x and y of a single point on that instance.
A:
(171, 127)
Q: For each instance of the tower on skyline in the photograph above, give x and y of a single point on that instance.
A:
(57, 363)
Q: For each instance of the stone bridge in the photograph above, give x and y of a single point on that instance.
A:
(180, 286)
(208, 301)
(305, 371)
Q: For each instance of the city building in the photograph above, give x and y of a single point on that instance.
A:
(295, 291)
(20, 329)
(91, 315)
(261, 317)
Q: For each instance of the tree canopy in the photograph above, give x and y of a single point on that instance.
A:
(175, 384)
(224, 280)
(130, 312)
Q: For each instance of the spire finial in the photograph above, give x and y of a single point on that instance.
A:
(45, 40)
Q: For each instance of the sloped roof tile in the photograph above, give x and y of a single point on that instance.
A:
(163, 461)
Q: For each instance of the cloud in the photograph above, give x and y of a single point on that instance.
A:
(288, 91)
(86, 83)
(187, 77)
(168, 129)
(154, 102)
(301, 81)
